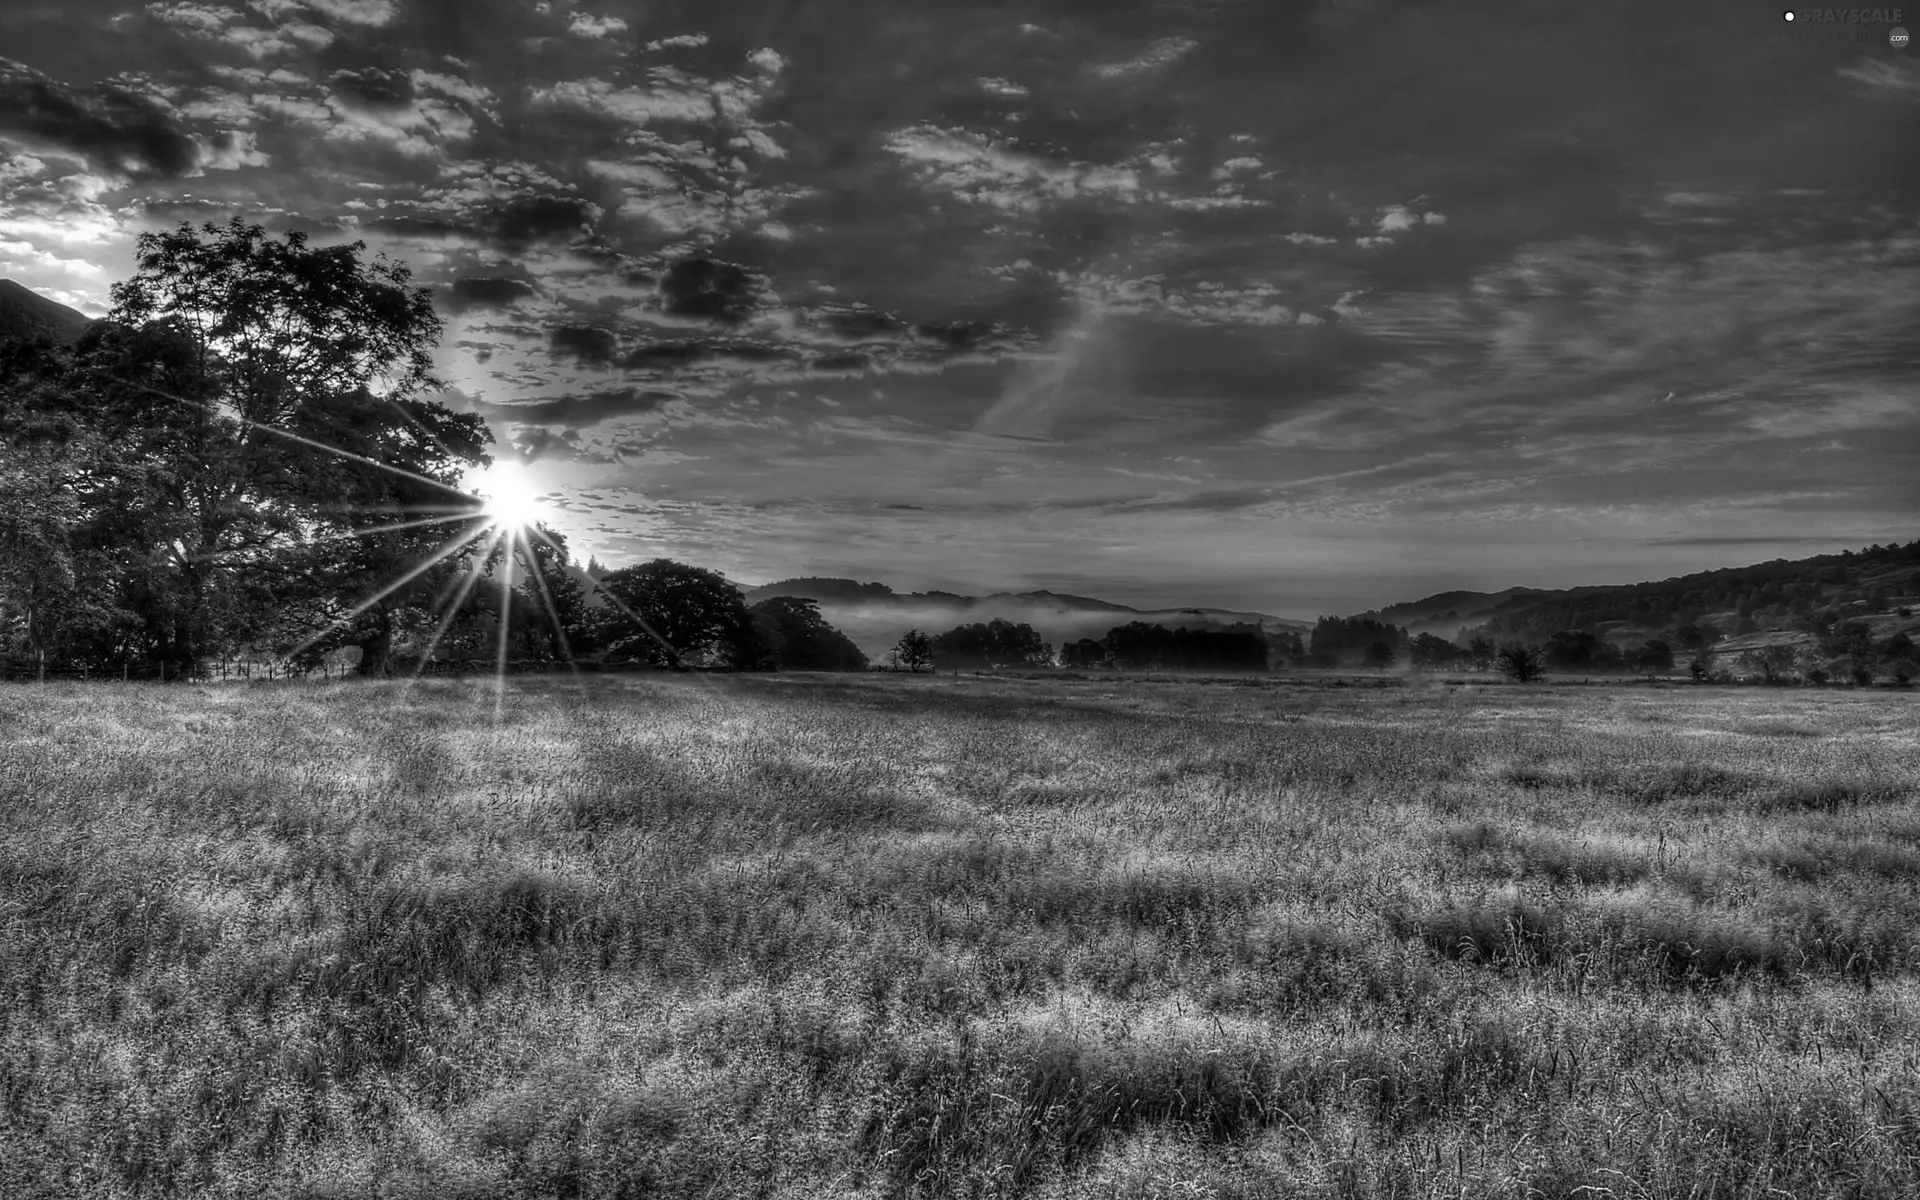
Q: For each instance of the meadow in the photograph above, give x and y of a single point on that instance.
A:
(930, 936)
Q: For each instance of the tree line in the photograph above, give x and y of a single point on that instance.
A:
(242, 463)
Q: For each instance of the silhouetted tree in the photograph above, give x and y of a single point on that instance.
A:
(1520, 662)
(914, 650)
(1428, 652)
(673, 615)
(993, 644)
(274, 388)
(800, 639)
(1084, 653)
(1379, 656)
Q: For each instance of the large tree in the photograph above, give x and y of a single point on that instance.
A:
(274, 390)
(800, 639)
(673, 615)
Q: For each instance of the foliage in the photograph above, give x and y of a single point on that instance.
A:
(1141, 646)
(1428, 652)
(1520, 662)
(995, 643)
(670, 614)
(914, 651)
(1346, 640)
(800, 639)
(1084, 653)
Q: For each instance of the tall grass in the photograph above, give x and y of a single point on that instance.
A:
(817, 936)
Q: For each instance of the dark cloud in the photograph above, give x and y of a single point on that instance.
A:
(588, 343)
(666, 356)
(541, 218)
(858, 324)
(847, 361)
(487, 292)
(373, 88)
(113, 128)
(579, 411)
(413, 226)
(705, 287)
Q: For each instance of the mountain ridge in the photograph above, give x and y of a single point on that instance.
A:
(26, 313)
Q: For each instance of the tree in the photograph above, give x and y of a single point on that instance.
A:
(914, 650)
(273, 389)
(672, 615)
(996, 643)
(1572, 649)
(1482, 652)
(1429, 652)
(1520, 663)
(1772, 663)
(1379, 656)
(1084, 653)
(800, 639)
(1655, 657)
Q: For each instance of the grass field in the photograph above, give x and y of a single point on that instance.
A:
(866, 936)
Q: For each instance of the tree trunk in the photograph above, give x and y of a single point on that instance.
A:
(376, 649)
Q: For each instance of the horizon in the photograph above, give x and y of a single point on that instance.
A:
(1147, 604)
(1298, 313)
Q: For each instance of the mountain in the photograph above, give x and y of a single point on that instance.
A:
(874, 615)
(1447, 613)
(26, 313)
(1879, 585)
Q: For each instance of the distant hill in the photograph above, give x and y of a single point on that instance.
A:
(1870, 585)
(874, 615)
(1447, 613)
(26, 313)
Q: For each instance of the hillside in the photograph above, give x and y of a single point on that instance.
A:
(26, 313)
(1447, 613)
(874, 615)
(1870, 585)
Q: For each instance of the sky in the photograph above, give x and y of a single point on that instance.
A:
(1287, 307)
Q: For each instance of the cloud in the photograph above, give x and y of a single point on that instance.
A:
(229, 150)
(356, 12)
(1886, 80)
(111, 128)
(585, 25)
(977, 168)
(488, 292)
(1157, 57)
(588, 343)
(708, 288)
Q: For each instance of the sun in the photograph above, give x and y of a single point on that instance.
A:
(512, 496)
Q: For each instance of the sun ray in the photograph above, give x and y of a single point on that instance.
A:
(644, 624)
(553, 613)
(475, 572)
(294, 437)
(506, 618)
(216, 555)
(446, 551)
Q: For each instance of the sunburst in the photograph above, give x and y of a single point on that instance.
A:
(513, 498)
(514, 512)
